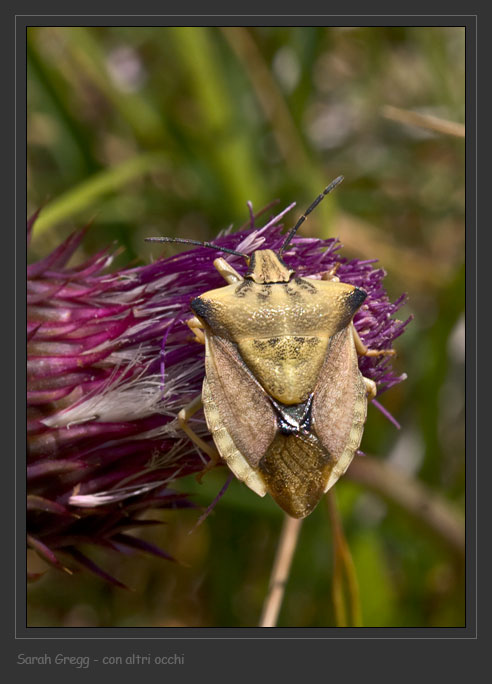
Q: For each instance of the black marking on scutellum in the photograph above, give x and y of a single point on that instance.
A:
(294, 419)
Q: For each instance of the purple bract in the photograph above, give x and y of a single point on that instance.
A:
(110, 364)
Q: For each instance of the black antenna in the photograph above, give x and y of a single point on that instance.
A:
(196, 242)
(318, 199)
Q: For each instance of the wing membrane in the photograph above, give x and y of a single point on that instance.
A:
(240, 402)
(340, 404)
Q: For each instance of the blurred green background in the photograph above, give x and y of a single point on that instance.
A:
(169, 131)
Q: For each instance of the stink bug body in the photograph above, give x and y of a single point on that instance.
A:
(283, 396)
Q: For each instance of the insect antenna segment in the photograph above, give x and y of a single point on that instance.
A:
(185, 241)
(318, 199)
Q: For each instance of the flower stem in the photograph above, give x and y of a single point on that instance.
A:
(280, 571)
(432, 123)
(343, 569)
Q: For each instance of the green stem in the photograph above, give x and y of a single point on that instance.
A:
(345, 588)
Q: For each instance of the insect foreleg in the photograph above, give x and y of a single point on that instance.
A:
(331, 274)
(196, 328)
(371, 388)
(327, 275)
(362, 350)
(227, 271)
(183, 417)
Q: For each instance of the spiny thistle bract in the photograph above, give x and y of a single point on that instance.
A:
(110, 364)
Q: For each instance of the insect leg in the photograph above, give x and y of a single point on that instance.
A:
(331, 274)
(196, 327)
(371, 388)
(183, 417)
(362, 350)
(227, 271)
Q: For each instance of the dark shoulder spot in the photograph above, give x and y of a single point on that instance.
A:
(202, 308)
(355, 299)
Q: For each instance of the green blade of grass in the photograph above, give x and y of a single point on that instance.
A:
(87, 193)
(51, 83)
(230, 146)
(137, 109)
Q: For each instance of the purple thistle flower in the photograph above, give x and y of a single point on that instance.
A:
(110, 364)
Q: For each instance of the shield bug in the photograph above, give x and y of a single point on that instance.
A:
(283, 396)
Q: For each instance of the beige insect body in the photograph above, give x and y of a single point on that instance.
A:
(283, 396)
